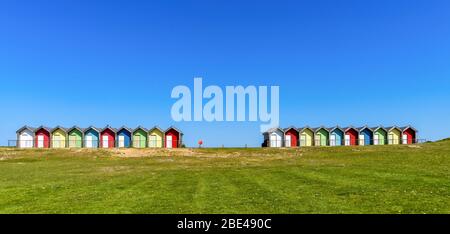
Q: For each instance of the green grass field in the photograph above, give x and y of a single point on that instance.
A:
(370, 179)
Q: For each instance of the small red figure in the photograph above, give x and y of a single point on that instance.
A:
(200, 143)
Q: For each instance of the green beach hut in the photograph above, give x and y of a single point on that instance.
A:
(380, 136)
(75, 135)
(139, 137)
(322, 136)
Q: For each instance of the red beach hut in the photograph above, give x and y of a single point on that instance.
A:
(291, 137)
(108, 137)
(351, 136)
(42, 137)
(408, 135)
(173, 138)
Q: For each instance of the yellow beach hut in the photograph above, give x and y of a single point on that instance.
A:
(306, 136)
(58, 137)
(155, 137)
(394, 135)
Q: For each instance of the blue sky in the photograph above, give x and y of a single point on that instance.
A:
(116, 62)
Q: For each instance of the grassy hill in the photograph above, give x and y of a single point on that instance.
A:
(371, 179)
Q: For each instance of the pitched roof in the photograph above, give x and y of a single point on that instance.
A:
(157, 128)
(75, 127)
(350, 127)
(360, 129)
(274, 130)
(141, 128)
(379, 127)
(305, 127)
(25, 127)
(392, 128)
(270, 130)
(43, 127)
(125, 128)
(110, 128)
(93, 128)
(319, 128)
(289, 128)
(59, 127)
(174, 128)
(406, 127)
(334, 128)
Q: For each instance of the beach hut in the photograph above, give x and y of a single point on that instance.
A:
(91, 137)
(155, 137)
(394, 135)
(351, 136)
(42, 137)
(290, 137)
(25, 137)
(108, 137)
(173, 138)
(274, 137)
(322, 136)
(365, 136)
(124, 137)
(336, 136)
(379, 136)
(140, 137)
(59, 137)
(409, 135)
(306, 136)
(75, 137)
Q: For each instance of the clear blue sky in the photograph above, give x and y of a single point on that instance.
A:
(116, 62)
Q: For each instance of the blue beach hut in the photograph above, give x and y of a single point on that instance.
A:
(124, 137)
(336, 136)
(91, 136)
(365, 136)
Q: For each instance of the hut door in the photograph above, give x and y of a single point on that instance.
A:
(72, 142)
(288, 141)
(376, 139)
(405, 139)
(57, 142)
(105, 141)
(169, 141)
(332, 140)
(121, 141)
(273, 140)
(302, 140)
(88, 141)
(152, 141)
(40, 141)
(347, 139)
(136, 142)
(391, 139)
(361, 139)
